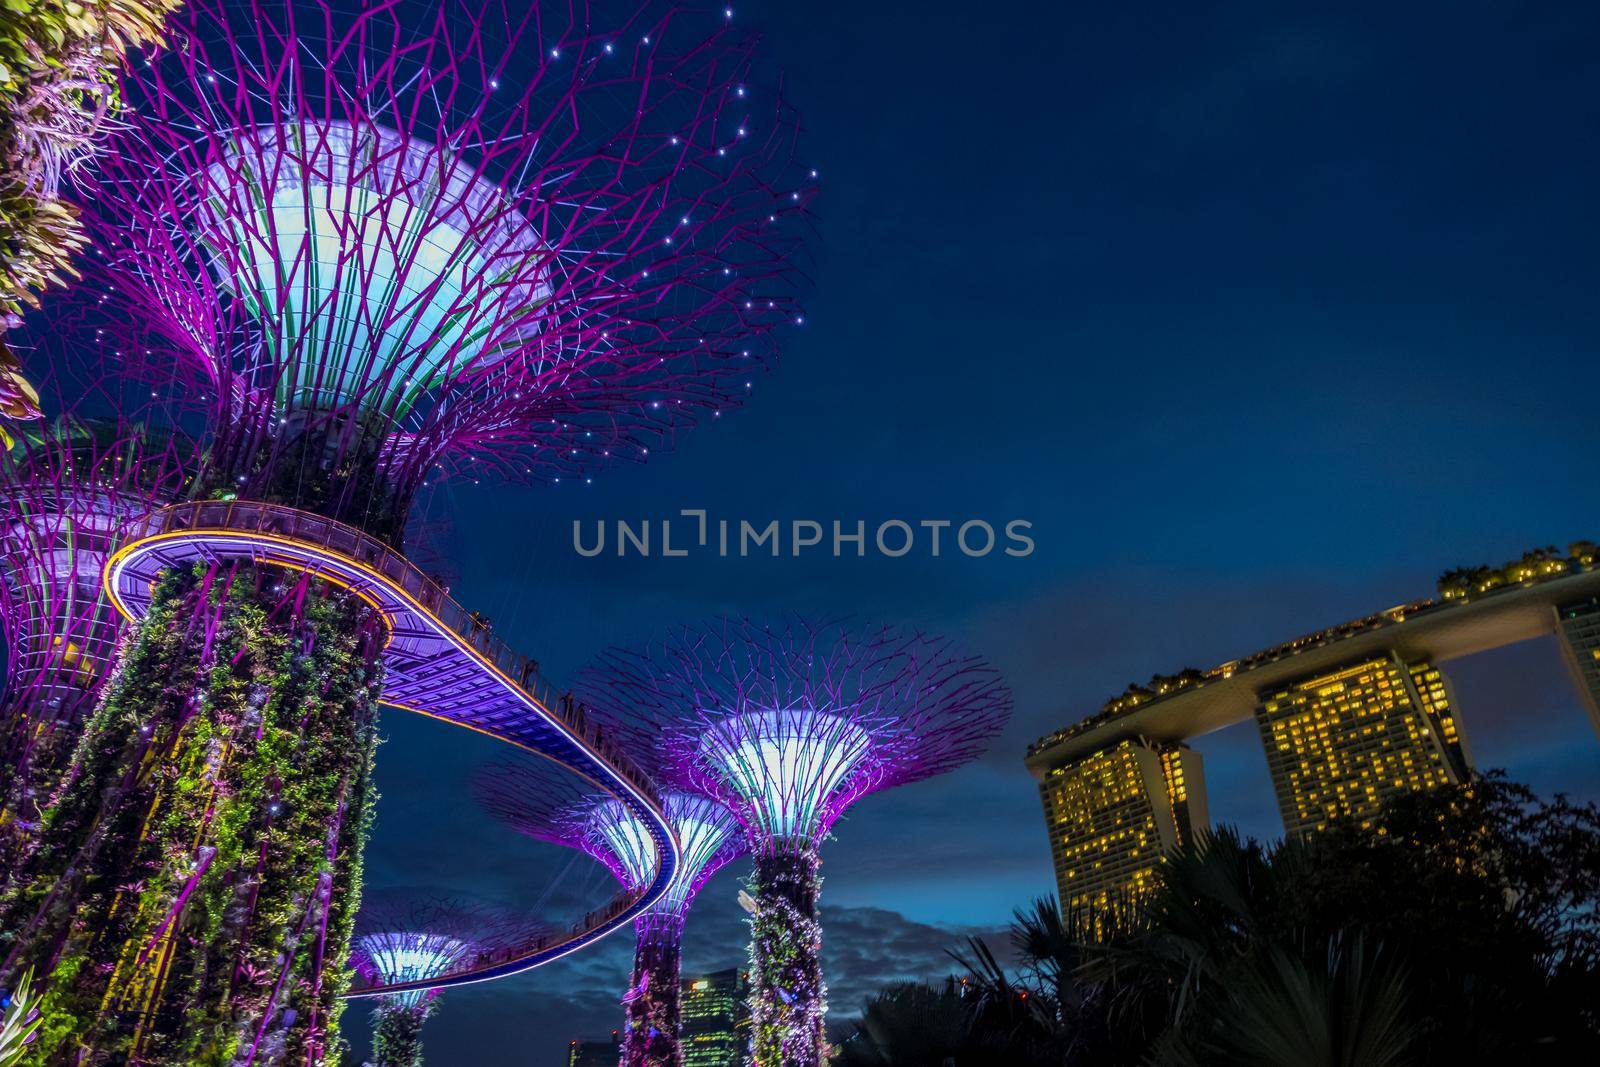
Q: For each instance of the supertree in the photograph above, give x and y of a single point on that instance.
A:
(538, 799)
(71, 491)
(788, 725)
(73, 488)
(398, 941)
(399, 241)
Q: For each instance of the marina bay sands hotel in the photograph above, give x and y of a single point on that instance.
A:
(1349, 716)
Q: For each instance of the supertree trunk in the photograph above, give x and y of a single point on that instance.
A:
(397, 1031)
(788, 1000)
(650, 1038)
(192, 893)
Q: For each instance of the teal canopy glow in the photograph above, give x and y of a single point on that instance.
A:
(787, 765)
(377, 266)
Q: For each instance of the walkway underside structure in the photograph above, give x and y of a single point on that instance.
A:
(391, 242)
(439, 662)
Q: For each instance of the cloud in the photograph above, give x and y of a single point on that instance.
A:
(531, 1018)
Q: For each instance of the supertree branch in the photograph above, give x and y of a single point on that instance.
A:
(538, 801)
(404, 941)
(788, 724)
(475, 234)
(393, 240)
(548, 803)
(791, 723)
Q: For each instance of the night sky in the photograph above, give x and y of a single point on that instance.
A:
(1262, 316)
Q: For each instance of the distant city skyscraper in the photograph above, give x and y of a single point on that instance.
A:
(1580, 641)
(596, 1052)
(1349, 716)
(715, 1028)
(1113, 814)
(1341, 742)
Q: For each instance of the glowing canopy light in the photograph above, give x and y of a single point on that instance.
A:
(626, 841)
(610, 833)
(417, 236)
(410, 957)
(705, 831)
(399, 940)
(69, 494)
(791, 723)
(786, 764)
(709, 835)
(373, 263)
(539, 800)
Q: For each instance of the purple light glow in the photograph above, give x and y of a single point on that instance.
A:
(785, 764)
(70, 493)
(446, 239)
(789, 726)
(412, 957)
(538, 800)
(414, 941)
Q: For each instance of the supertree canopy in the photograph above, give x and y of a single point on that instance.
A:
(396, 240)
(405, 942)
(537, 799)
(478, 236)
(788, 726)
(71, 491)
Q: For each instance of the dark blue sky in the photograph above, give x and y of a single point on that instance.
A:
(1263, 314)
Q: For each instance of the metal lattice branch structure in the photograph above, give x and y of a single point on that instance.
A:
(788, 725)
(546, 802)
(482, 237)
(394, 239)
(536, 799)
(405, 942)
(72, 491)
(400, 942)
(792, 723)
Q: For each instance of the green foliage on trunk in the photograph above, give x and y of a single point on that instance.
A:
(788, 1000)
(192, 893)
(19, 1022)
(654, 1007)
(397, 1032)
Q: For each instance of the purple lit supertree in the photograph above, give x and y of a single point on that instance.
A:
(789, 725)
(403, 942)
(539, 799)
(498, 238)
(73, 488)
(71, 492)
(397, 240)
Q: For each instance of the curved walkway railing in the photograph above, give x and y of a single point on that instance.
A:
(441, 661)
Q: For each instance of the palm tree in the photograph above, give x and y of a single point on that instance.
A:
(19, 1021)
(1350, 1009)
(907, 1024)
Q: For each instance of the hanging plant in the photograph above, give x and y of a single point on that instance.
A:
(59, 62)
